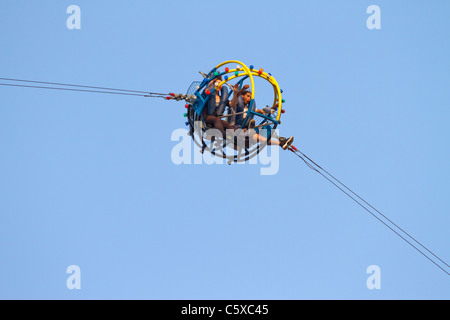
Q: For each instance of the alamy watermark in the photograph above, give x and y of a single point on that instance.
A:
(73, 22)
(374, 280)
(374, 20)
(236, 142)
(74, 280)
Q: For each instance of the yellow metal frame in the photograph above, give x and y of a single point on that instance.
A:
(246, 71)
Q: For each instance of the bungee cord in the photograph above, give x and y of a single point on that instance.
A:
(372, 210)
(83, 88)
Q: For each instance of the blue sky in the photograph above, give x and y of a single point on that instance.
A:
(88, 180)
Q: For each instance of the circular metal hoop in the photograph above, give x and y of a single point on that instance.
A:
(203, 90)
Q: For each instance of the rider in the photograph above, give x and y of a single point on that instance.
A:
(241, 107)
(215, 107)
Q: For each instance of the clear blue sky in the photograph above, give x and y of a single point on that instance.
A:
(87, 179)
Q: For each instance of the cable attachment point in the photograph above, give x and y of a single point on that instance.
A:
(179, 96)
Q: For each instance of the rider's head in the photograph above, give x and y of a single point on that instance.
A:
(213, 83)
(246, 96)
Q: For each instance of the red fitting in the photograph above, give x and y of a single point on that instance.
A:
(226, 69)
(207, 91)
(186, 106)
(283, 111)
(172, 94)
